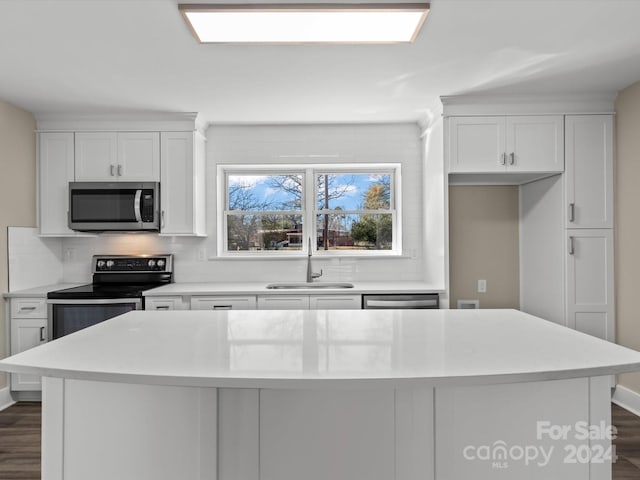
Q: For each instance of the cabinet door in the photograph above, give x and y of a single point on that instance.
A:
(283, 302)
(589, 175)
(96, 156)
(138, 157)
(27, 333)
(164, 303)
(535, 143)
(182, 183)
(56, 170)
(590, 296)
(477, 144)
(335, 302)
(223, 303)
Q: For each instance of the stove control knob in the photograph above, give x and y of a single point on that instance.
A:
(100, 263)
(160, 263)
(151, 263)
(110, 263)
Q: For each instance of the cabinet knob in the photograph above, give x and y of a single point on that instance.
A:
(112, 169)
(42, 335)
(119, 170)
(512, 158)
(571, 246)
(572, 212)
(503, 158)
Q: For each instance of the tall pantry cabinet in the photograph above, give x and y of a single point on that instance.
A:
(566, 230)
(588, 184)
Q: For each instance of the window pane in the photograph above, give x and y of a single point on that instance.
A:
(354, 231)
(259, 232)
(264, 192)
(359, 191)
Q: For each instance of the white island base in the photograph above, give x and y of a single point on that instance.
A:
(537, 430)
(319, 395)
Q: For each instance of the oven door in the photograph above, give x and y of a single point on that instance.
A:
(68, 316)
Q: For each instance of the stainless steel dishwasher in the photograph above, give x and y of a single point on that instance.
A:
(400, 301)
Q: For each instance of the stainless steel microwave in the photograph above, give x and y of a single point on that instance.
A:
(114, 206)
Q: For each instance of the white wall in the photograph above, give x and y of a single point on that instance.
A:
(294, 144)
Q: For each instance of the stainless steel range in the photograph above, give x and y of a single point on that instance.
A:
(117, 287)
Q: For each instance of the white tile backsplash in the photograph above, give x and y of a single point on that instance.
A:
(33, 260)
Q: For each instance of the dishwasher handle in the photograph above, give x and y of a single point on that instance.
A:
(399, 301)
(402, 303)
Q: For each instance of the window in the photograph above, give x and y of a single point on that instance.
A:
(281, 210)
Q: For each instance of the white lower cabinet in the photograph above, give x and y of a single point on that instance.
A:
(335, 302)
(306, 302)
(589, 270)
(233, 302)
(283, 302)
(28, 329)
(165, 303)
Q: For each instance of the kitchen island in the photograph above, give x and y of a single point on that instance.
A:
(364, 394)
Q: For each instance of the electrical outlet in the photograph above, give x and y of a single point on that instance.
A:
(482, 286)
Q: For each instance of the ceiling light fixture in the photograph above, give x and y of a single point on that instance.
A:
(305, 23)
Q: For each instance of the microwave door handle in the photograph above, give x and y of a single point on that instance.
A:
(136, 206)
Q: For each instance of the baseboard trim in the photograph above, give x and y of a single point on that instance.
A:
(6, 400)
(627, 399)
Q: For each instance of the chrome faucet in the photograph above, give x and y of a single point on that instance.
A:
(311, 275)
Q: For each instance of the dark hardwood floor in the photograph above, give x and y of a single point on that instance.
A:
(20, 443)
(627, 467)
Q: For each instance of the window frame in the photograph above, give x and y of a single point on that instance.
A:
(309, 210)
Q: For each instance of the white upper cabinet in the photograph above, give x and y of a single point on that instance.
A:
(477, 144)
(182, 186)
(55, 171)
(123, 156)
(535, 143)
(589, 175)
(139, 156)
(96, 156)
(498, 144)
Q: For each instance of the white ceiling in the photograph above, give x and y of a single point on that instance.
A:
(138, 55)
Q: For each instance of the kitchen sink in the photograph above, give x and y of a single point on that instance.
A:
(292, 285)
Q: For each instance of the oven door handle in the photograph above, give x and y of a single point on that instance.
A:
(136, 206)
(95, 301)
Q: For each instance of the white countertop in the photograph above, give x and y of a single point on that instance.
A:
(258, 288)
(325, 349)
(247, 288)
(39, 291)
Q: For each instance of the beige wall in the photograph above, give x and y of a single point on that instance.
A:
(17, 189)
(484, 244)
(627, 224)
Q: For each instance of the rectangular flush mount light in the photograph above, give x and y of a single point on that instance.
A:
(305, 23)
